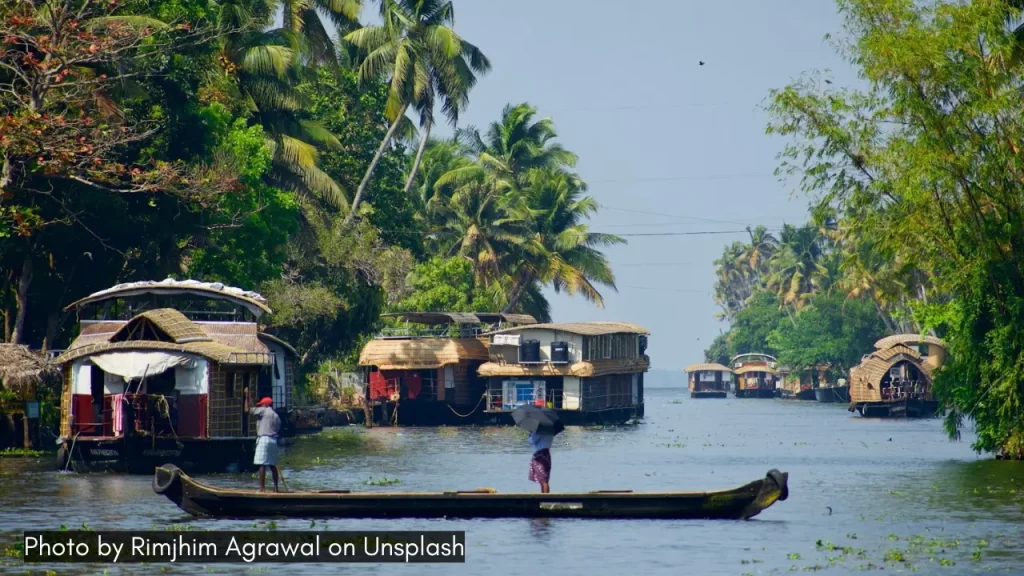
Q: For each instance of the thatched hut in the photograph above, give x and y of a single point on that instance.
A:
(23, 375)
(709, 380)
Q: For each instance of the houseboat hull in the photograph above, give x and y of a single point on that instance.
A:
(805, 395)
(603, 417)
(206, 501)
(141, 455)
(708, 393)
(756, 393)
(424, 413)
(828, 395)
(898, 409)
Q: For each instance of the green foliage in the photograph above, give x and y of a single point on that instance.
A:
(924, 166)
(446, 285)
(829, 330)
(753, 324)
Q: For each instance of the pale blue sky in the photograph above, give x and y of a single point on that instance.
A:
(666, 145)
(658, 133)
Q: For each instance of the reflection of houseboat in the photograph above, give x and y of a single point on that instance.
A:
(589, 372)
(158, 373)
(423, 370)
(709, 380)
(756, 375)
(896, 379)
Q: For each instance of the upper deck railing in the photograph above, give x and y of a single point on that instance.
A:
(414, 331)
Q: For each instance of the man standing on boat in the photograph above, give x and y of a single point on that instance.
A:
(268, 425)
(540, 464)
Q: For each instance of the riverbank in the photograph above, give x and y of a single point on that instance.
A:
(901, 496)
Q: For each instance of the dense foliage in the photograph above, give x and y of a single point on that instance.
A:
(145, 139)
(923, 174)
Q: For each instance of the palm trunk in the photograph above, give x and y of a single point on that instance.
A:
(790, 314)
(883, 315)
(21, 298)
(517, 293)
(419, 156)
(373, 164)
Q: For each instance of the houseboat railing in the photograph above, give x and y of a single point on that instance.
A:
(409, 332)
(905, 390)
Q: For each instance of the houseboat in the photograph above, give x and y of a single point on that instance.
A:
(588, 372)
(756, 375)
(709, 380)
(158, 373)
(896, 379)
(796, 384)
(421, 370)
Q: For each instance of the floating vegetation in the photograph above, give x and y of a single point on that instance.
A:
(20, 453)
(384, 481)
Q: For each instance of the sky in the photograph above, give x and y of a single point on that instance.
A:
(665, 145)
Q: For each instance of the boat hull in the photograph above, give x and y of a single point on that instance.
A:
(830, 395)
(142, 455)
(901, 409)
(205, 501)
(806, 395)
(434, 413)
(708, 394)
(756, 393)
(605, 417)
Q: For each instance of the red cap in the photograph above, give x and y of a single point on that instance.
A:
(265, 401)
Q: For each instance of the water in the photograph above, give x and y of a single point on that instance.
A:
(894, 487)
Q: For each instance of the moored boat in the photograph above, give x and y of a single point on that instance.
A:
(201, 500)
(709, 380)
(756, 375)
(896, 379)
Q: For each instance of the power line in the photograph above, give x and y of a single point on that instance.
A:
(680, 178)
(668, 289)
(607, 207)
(704, 232)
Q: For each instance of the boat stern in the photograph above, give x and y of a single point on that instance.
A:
(167, 482)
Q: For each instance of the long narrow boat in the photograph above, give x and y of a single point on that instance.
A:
(207, 501)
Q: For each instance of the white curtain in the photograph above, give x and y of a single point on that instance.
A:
(132, 365)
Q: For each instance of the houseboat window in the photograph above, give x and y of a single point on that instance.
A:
(923, 350)
(229, 384)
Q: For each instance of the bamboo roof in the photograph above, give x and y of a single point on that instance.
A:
(888, 353)
(215, 351)
(172, 323)
(244, 335)
(754, 368)
(712, 367)
(908, 339)
(421, 353)
(20, 367)
(251, 300)
(582, 328)
(877, 365)
(579, 369)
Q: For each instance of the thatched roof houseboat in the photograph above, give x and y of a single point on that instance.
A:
(896, 378)
(589, 372)
(756, 375)
(709, 380)
(158, 373)
(421, 370)
(24, 374)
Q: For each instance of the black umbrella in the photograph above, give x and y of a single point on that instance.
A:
(536, 419)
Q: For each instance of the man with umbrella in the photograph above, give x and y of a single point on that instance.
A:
(543, 424)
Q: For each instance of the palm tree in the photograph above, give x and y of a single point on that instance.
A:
(794, 266)
(303, 18)
(760, 251)
(262, 70)
(560, 250)
(426, 60)
(735, 282)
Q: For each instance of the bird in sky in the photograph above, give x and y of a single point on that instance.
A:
(701, 62)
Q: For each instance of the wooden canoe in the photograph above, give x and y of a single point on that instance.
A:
(207, 501)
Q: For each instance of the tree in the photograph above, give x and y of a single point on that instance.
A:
(925, 164)
(753, 324)
(426, 61)
(830, 330)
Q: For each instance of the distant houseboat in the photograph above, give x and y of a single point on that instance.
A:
(797, 385)
(756, 375)
(158, 373)
(423, 372)
(589, 372)
(896, 379)
(709, 380)
(23, 373)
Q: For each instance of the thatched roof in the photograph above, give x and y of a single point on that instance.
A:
(421, 353)
(889, 341)
(492, 318)
(712, 367)
(582, 328)
(215, 351)
(243, 335)
(251, 300)
(877, 365)
(161, 324)
(754, 368)
(578, 369)
(20, 367)
(888, 353)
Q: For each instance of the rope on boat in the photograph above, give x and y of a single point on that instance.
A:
(482, 396)
(164, 410)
